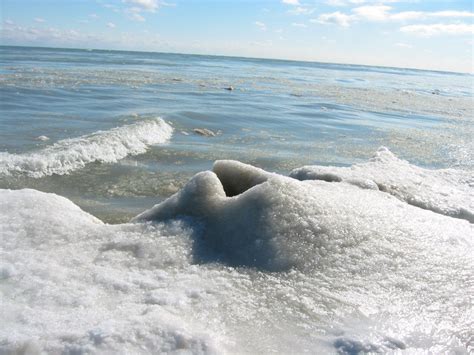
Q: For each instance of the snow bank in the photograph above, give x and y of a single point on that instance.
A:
(448, 191)
(275, 222)
(322, 267)
(103, 146)
(71, 284)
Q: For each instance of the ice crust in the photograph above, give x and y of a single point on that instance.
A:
(445, 191)
(239, 260)
(71, 154)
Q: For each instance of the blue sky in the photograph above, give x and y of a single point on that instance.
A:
(437, 34)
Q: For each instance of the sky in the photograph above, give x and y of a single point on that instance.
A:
(434, 34)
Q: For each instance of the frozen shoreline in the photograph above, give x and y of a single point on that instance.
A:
(241, 260)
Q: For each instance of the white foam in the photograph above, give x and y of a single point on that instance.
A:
(324, 267)
(71, 154)
(446, 191)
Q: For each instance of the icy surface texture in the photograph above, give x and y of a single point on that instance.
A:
(448, 191)
(239, 260)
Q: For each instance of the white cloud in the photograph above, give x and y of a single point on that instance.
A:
(336, 3)
(67, 38)
(261, 25)
(439, 29)
(111, 7)
(337, 18)
(133, 13)
(39, 20)
(382, 13)
(94, 16)
(406, 15)
(148, 5)
(111, 25)
(137, 17)
(357, 2)
(373, 12)
(299, 10)
(291, 2)
(450, 13)
(302, 25)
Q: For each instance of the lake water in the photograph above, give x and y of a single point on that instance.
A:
(358, 251)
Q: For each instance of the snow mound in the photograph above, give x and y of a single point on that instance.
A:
(240, 261)
(449, 192)
(255, 218)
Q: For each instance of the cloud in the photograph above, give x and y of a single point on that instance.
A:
(68, 38)
(373, 12)
(111, 25)
(291, 2)
(336, 18)
(383, 13)
(94, 16)
(133, 13)
(302, 25)
(357, 2)
(39, 20)
(16, 34)
(336, 3)
(148, 5)
(299, 10)
(439, 29)
(450, 13)
(261, 25)
(406, 15)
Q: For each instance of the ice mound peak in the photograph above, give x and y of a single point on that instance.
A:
(251, 217)
(237, 177)
(209, 191)
(445, 191)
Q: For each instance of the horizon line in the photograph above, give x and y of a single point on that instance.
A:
(244, 57)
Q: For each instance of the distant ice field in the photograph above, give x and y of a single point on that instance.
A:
(169, 203)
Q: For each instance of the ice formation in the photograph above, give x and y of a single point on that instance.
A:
(447, 191)
(103, 146)
(239, 260)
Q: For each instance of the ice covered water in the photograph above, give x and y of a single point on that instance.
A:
(288, 229)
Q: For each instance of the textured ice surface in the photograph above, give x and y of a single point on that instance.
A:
(239, 260)
(448, 191)
(103, 146)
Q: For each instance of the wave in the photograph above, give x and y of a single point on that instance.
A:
(72, 154)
